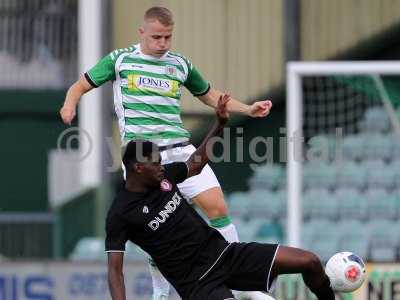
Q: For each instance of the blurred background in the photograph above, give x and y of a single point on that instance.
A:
(57, 181)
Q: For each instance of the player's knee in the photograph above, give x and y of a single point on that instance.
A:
(312, 262)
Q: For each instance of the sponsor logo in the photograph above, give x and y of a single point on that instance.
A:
(154, 83)
(145, 209)
(164, 214)
(164, 87)
(165, 185)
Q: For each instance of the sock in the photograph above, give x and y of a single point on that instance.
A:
(226, 228)
(324, 292)
(160, 284)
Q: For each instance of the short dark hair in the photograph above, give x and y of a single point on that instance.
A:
(161, 14)
(137, 151)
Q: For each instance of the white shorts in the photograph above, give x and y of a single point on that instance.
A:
(194, 185)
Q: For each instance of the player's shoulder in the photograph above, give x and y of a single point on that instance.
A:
(117, 208)
(118, 52)
(181, 59)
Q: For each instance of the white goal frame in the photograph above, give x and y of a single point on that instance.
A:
(294, 123)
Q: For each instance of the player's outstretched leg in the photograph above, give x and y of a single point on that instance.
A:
(293, 260)
(212, 203)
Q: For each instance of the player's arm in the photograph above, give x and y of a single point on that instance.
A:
(102, 72)
(199, 158)
(256, 110)
(74, 94)
(116, 276)
(201, 89)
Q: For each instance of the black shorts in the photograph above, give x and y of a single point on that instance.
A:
(242, 267)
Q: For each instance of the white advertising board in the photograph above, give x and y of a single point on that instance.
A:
(70, 280)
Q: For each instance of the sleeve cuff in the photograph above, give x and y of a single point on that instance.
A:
(203, 93)
(90, 80)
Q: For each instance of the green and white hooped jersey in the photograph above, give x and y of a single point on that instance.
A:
(147, 92)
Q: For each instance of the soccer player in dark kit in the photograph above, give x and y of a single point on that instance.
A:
(195, 258)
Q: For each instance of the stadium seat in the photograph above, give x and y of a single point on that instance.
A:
(322, 237)
(353, 237)
(396, 195)
(375, 120)
(319, 175)
(353, 147)
(238, 221)
(397, 229)
(270, 232)
(322, 148)
(351, 204)
(379, 175)
(264, 204)
(395, 141)
(238, 204)
(350, 175)
(258, 205)
(376, 147)
(281, 197)
(382, 241)
(89, 249)
(319, 203)
(395, 166)
(380, 204)
(268, 176)
(247, 231)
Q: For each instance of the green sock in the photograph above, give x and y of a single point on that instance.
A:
(220, 222)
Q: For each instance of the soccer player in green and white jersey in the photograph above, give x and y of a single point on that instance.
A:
(147, 80)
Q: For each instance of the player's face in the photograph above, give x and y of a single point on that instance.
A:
(155, 38)
(153, 170)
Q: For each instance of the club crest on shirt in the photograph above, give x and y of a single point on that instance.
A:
(165, 185)
(145, 209)
(170, 70)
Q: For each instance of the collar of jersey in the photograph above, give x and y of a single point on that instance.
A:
(139, 48)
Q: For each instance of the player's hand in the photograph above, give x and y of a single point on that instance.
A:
(260, 109)
(221, 110)
(67, 114)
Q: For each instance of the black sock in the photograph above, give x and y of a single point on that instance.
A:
(324, 292)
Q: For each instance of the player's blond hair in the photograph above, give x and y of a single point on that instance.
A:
(161, 14)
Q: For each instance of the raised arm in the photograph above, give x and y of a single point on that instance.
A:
(74, 94)
(258, 109)
(199, 158)
(116, 276)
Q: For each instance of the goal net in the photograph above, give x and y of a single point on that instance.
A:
(343, 151)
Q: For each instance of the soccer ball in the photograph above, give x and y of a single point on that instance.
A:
(346, 272)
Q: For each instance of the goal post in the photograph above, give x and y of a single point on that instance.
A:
(332, 82)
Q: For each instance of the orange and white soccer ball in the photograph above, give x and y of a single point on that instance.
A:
(346, 272)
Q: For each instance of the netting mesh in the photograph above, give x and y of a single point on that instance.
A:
(350, 172)
(332, 102)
